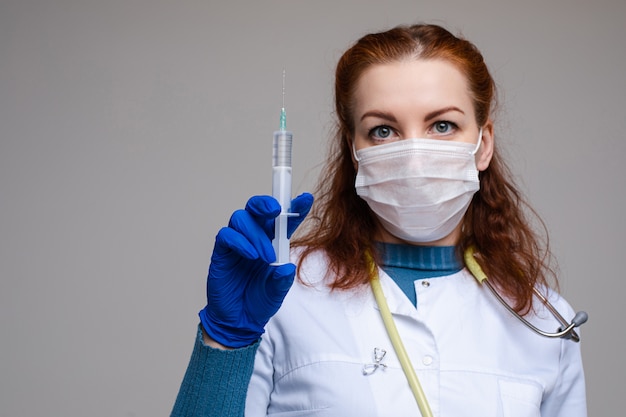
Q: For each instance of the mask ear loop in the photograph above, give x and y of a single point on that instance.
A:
(480, 141)
(356, 158)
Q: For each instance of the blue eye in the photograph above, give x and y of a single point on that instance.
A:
(443, 127)
(381, 132)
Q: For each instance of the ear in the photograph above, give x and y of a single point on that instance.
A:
(485, 151)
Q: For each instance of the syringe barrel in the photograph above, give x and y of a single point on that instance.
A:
(282, 148)
(281, 191)
(281, 182)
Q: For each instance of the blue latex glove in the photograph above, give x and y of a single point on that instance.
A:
(243, 290)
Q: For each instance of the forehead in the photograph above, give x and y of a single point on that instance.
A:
(414, 84)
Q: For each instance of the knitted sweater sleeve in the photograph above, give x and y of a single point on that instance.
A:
(216, 381)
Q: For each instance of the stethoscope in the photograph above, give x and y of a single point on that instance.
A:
(566, 331)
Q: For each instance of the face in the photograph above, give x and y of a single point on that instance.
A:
(417, 99)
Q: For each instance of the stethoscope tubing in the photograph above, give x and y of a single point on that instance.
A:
(398, 346)
(566, 330)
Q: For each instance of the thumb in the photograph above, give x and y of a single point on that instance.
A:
(279, 283)
(301, 205)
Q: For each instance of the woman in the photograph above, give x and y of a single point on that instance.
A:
(413, 181)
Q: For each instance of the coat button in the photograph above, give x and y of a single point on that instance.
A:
(425, 284)
(427, 360)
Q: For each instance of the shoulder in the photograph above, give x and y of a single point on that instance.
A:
(547, 298)
(313, 268)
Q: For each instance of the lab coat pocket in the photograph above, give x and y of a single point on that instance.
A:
(520, 399)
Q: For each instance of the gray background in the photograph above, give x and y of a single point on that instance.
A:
(131, 129)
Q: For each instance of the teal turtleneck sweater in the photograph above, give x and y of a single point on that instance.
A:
(407, 263)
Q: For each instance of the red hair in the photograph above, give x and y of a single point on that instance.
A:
(343, 225)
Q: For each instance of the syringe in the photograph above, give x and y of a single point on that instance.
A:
(281, 184)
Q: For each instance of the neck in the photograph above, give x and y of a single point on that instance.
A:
(450, 240)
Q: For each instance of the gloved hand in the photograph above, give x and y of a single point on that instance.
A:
(243, 290)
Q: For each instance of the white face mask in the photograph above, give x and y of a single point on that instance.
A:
(419, 188)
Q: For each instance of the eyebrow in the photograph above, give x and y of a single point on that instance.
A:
(391, 118)
(439, 112)
(379, 114)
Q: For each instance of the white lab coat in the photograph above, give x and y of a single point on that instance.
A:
(472, 357)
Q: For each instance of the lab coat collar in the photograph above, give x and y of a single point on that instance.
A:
(398, 302)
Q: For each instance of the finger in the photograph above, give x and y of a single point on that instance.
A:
(243, 222)
(302, 205)
(228, 240)
(263, 207)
